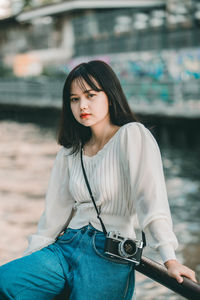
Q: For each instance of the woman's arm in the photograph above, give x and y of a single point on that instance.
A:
(148, 191)
(58, 206)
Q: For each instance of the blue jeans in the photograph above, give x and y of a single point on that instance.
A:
(74, 267)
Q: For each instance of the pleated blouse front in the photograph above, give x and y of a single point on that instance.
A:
(127, 180)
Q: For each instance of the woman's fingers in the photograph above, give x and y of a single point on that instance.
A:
(175, 274)
(178, 272)
(190, 274)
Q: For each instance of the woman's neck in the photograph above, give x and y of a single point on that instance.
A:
(101, 135)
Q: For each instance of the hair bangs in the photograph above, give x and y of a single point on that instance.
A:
(83, 76)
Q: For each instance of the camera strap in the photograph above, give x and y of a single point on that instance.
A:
(99, 211)
(90, 192)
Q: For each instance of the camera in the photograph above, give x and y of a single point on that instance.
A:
(123, 248)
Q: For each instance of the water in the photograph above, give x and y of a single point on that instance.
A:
(27, 154)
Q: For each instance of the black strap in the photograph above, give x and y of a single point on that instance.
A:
(143, 239)
(98, 212)
(89, 189)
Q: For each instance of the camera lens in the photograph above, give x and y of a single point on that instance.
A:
(127, 248)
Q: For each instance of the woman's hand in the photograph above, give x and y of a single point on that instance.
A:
(177, 270)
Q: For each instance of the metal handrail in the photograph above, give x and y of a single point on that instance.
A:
(154, 270)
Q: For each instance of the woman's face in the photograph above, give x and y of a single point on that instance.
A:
(88, 106)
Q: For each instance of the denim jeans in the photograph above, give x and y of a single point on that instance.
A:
(74, 267)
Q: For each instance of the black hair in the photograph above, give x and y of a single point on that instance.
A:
(71, 133)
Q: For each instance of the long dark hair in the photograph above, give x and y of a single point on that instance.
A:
(71, 133)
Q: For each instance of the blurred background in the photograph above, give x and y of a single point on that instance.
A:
(154, 47)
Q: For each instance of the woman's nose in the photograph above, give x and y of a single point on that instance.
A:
(83, 103)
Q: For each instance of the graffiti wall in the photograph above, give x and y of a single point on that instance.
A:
(170, 76)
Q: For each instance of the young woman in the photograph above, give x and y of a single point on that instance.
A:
(124, 169)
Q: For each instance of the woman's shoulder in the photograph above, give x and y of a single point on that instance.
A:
(63, 152)
(133, 126)
(133, 129)
(136, 133)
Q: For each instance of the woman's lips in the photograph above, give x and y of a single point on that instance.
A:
(83, 116)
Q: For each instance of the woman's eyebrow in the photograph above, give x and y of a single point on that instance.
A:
(85, 92)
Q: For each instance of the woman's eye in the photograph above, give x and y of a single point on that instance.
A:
(91, 95)
(74, 99)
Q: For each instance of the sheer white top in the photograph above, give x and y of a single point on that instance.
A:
(127, 180)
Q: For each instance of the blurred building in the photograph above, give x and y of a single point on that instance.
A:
(153, 45)
(52, 34)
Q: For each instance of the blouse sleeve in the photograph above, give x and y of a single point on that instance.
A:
(148, 190)
(58, 206)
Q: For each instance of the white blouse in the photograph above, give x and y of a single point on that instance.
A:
(126, 178)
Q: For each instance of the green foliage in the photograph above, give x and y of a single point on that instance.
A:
(5, 71)
(28, 4)
(53, 71)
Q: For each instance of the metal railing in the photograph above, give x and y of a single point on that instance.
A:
(31, 92)
(188, 288)
(147, 90)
